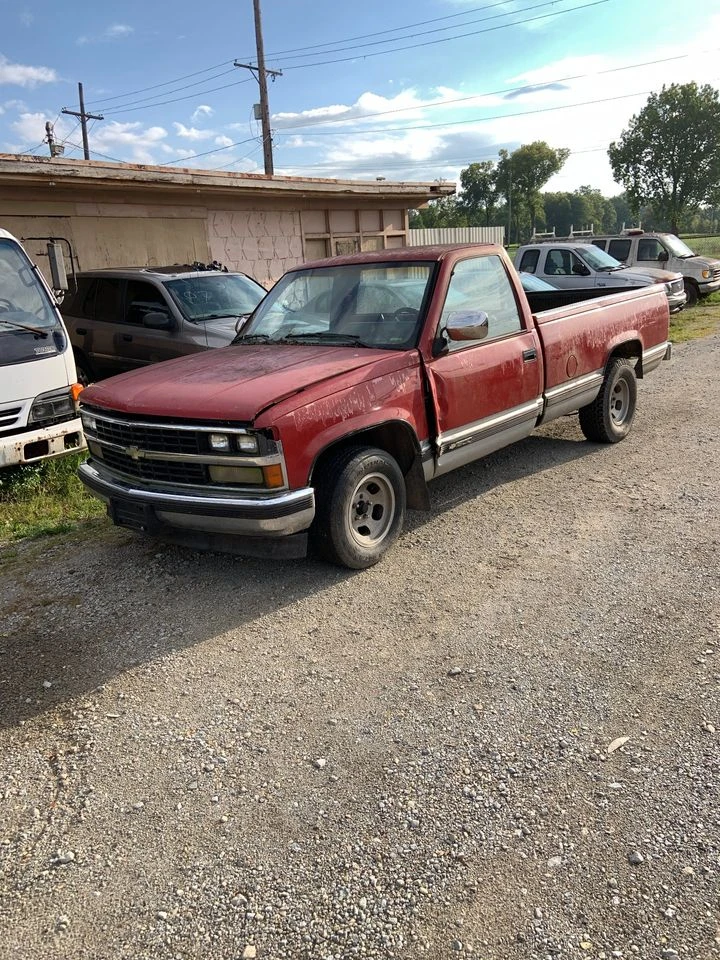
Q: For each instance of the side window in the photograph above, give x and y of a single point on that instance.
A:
(82, 302)
(141, 298)
(482, 284)
(560, 263)
(529, 261)
(599, 243)
(620, 249)
(649, 249)
(107, 300)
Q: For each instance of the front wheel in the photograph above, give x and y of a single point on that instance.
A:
(609, 417)
(361, 498)
(693, 294)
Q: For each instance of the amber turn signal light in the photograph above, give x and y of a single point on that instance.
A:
(75, 390)
(273, 475)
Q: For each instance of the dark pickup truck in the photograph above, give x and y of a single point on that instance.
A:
(357, 381)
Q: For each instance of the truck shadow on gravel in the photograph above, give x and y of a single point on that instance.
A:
(77, 612)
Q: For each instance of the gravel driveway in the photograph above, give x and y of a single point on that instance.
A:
(500, 742)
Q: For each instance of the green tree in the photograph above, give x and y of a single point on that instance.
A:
(479, 191)
(523, 172)
(443, 212)
(669, 156)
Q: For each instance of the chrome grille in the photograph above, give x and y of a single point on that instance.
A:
(147, 437)
(161, 471)
(9, 417)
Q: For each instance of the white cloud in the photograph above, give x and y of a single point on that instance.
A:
(24, 76)
(192, 133)
(131, 142)
(367, 104)
(116, 31)
(203, 110)
(223, 141)
(26, 18)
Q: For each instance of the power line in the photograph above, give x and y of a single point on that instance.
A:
(460, 36)
(208, 152)
(422, 33)
(490, 93)
(378, 33)
(496, 116)
(167, 83)
(191, 96)
(187, 86)
(402, 164)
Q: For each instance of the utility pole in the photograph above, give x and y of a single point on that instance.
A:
(261, 75)
(84, 117)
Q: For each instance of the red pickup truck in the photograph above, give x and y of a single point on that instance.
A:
(355, 382)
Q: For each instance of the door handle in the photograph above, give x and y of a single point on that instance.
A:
(81, 331)
(127, 337)
(529, 355)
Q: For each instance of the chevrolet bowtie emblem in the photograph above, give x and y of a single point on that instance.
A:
(133, 453)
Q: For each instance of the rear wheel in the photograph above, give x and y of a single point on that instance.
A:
(609, 417)
(360, 494)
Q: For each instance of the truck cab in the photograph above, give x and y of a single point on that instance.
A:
(38, 390)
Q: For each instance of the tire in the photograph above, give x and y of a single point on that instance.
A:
(360, 507)
(693, 294)
(83, 370)
(609, 417)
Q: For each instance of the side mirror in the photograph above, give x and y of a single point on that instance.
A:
(467, 325)
(241, 321)
(580, 270)
(663, 256)
(57, 266)
(158, 321)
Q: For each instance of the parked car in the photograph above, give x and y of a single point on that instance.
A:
(638, 248)
(533, 284)
(571, 265)
(120, 319)
(322, 426)
(39, 415)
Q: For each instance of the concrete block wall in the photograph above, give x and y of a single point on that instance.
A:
(262, 243)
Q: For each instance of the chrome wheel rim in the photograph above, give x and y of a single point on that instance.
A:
(371, 510)
(619, 402)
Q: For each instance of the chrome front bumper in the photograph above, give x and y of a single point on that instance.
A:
(272, 515)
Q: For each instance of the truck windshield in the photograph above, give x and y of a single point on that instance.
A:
(29, 325)
(219, 295)
(676, 246)
(598, 259)
(360, 304)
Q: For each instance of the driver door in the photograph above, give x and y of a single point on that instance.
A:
(487, 393)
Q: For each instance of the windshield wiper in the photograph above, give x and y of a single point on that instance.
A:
(610, 269)
(221, 316)
(350, 339)
(254, 338)
(24, 326)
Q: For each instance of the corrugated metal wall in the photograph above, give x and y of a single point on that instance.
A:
(424, 238)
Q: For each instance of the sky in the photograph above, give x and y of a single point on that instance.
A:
(407, 90)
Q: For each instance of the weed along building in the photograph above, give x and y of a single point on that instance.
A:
(118, 214)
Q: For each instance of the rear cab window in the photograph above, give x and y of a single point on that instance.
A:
(529, 261)
(620, 249)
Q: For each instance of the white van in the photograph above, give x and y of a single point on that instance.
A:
(638, 248)
(38, 389)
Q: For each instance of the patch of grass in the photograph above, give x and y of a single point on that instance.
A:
(45, 498)
(704, 246)
(699, 321)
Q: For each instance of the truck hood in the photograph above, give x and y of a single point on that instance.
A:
(231, 383)
(643, 274)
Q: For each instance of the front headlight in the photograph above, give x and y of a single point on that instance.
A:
(706, 274)
(52, 406)
(219, 442)
(88, 421)
(246, 443)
